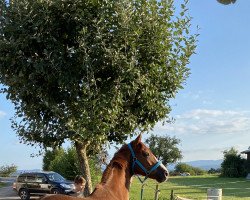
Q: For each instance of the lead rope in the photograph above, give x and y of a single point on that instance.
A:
(142, 190)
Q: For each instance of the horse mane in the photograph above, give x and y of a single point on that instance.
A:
(117, 177)
(118, 161)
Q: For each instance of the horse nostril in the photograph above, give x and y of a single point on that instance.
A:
(166, 173)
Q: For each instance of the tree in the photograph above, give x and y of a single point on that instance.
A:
(165, 148)
(233, 165)
(214, 171)
(7, 170)
(49, 156)
(226, 2)
(185, 168)
(66, 163)
(92, 71)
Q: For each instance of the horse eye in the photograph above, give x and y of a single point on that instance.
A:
(145, 154)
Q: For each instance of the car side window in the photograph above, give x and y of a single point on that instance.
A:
(21, 178)
(51, 177)
(40, 178)
(30, 178)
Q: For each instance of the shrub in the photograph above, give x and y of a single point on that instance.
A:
(233, 165)
(7, 170)
(185, 168)
(65, 162)
(214, 171)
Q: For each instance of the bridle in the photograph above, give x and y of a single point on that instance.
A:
(136, 161)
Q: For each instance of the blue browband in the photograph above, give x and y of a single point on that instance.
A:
(136, 161)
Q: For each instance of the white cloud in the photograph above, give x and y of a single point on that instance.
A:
(204, 121)
(198, 96)
(2, 114)
(207, 102)
(192, 96)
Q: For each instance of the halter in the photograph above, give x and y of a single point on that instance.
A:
(136, 161)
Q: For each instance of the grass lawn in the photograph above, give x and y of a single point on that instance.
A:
(193, 187)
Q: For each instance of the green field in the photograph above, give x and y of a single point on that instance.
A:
(193, 187)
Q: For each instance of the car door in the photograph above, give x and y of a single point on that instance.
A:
(31, 184)
(44, 186)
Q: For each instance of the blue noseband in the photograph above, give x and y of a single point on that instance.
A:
(136, 161)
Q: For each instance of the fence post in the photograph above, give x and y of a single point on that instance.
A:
(142, 190)
(214, 194)
(172, 195)
(157, 191)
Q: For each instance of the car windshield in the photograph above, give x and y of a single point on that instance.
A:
(55, 177)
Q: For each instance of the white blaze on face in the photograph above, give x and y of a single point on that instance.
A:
(164, 167)
(161, 165)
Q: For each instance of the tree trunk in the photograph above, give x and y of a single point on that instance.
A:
(84, 165)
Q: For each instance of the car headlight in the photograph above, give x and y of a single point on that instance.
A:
(72, 186)
(65, 186)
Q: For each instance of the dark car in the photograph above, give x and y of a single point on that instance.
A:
(41, 183)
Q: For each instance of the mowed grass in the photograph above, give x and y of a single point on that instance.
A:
(193, 187)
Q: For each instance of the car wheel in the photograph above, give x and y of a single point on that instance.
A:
(55, 191)
(24, 194)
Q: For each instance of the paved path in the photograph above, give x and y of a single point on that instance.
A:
(7, 193)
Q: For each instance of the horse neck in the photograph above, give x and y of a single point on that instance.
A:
(117, 177)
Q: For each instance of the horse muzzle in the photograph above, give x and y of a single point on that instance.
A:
(162, 174)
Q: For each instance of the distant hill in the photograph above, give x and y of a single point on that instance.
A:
(203, 164)
(23, 171)
(206, 164)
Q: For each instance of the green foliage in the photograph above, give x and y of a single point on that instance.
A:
(214, 171)
(49, 155)
(95, 170)
(182, 167)
(198, 171)
(65, 162)
(92, 70)
(226, 2)
(185, 168)
(7, 170)
(165, 148)
(233, 165)
(2, 14)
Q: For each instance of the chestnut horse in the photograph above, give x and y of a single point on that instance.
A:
(133, 158)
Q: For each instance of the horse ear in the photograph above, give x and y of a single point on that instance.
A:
(137, 142)
(138, 139)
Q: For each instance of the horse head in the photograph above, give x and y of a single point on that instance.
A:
(144, 162)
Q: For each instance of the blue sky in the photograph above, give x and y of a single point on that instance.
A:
(212, 112)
